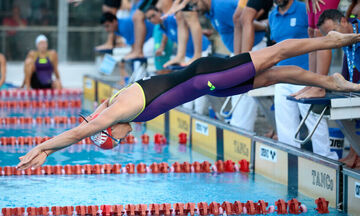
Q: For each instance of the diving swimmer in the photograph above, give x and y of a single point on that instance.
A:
(152, 96)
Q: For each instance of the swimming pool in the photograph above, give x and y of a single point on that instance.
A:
(111, 189)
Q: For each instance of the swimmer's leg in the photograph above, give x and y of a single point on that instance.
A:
(298, 76)
(29, 69)
(269, 56)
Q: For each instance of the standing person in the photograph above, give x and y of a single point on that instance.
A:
(220, 77)
(185, 49)
(40, 65)
(220, 13)
(170, 29)
(255, 9)
(140, 29)
(289, 20)
(334, 20)
(319, 61)
(2, 69)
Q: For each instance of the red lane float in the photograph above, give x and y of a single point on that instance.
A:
(182, 138)
(202, 208)
(141, 168)
(322, 205)
(281, 206)
(145, 139)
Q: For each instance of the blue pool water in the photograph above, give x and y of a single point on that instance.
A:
(25, 191)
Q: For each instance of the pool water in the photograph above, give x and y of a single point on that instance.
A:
(73, 190)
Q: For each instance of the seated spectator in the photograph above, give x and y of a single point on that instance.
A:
(40, 65)
(110, 6)
(124, 27)
(2, 69)
(169, 27)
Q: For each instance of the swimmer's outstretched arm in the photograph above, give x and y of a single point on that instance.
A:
(128, 104)
(36, 157)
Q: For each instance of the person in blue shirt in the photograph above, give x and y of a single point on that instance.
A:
(169, 27)
(330, 20)
(124, 27)
(220, 13)
(289, 20)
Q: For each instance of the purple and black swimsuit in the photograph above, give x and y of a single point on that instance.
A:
(42, 77)
(210, 75)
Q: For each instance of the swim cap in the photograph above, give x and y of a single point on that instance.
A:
(101, 139)
(40, 38)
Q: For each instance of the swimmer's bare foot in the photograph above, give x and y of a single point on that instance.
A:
(312, 92)
(343, 85)
(133, 55)
(343, 39)
(301, 91)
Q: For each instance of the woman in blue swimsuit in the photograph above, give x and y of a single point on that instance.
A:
(150, 97)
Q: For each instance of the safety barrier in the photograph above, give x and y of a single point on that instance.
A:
(292, 206)
(141, 168)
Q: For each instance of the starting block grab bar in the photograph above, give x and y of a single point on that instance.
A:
(311, 133)
(319, 106)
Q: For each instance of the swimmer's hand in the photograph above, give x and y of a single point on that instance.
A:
(33, 159)
(315, 5)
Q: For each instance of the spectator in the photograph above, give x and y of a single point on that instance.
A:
(334, 20)
(319, 61)
(289, 20)
(220, 13)
(110, 6)
(140, 30)
(255, 9)
(2, 69)
(189, 20)
(185, 48)
(12, 45)
(259, 26)
(125, 27)
(169, 27)
(40, 65)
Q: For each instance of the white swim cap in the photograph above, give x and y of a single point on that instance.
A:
(40, 38)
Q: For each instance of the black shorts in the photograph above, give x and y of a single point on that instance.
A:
(36, 84)
(258, 5)
(145, 4)
(113, 3)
